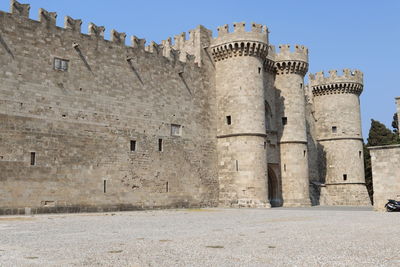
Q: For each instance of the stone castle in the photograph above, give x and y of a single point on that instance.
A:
(88, 124)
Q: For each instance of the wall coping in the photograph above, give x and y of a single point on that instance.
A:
(384, 147)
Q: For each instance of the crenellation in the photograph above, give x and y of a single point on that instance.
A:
(96, 31)
(223, 30)
(72, 24)
(240, 34)
(19, 9)
(239, 27)
(285, 53)
(47, 18)
(349, 82)
(258, 28)
(284, 48)
(166, 48)
(138, 43)
(118, 37)
(179, 40)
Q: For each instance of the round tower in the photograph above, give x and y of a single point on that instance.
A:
(291, 67)
(241, 134)
(338, 123)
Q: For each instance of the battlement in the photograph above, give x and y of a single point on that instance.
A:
(48, 19)
(349, 82)
(258, 33)
(240, 42)
(287, 53)
(286, 61)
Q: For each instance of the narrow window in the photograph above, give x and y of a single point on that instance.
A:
(301, 85)
(60, 64)
(237, 165)
(160, 145)
(265, 145)
(284, 120)
(228, 120)
(259, 70)
(284, 167)
(344, 177)
(176, 130)
(167, 187)
(133, 145)
(304, 153)
(359, 154)
(104, 186)
(334, 129)
(33, 158)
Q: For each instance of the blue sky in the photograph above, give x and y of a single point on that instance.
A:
(361, 34)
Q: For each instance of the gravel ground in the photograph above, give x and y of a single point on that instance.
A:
(204, 237)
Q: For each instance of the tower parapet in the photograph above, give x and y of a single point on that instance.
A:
(287, 61)
(351, 82)
(240, 42)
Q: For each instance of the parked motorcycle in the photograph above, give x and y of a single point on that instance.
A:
(392, 205)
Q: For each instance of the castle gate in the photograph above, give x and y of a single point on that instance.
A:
(274, 189)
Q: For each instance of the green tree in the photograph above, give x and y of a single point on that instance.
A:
(395, 123)
(379, 135)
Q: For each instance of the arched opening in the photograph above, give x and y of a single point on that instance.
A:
(273, 189)
(268, 116)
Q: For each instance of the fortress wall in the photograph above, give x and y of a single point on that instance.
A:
(386, 174)
(80, 123)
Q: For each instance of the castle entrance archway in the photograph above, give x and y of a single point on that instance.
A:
(274, 195)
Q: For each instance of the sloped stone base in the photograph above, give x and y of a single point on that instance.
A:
(345, 194)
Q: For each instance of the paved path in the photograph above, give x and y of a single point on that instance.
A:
(208, 237)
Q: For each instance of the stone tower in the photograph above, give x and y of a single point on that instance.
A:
(338, 123)
(241, 145)
(291, 68)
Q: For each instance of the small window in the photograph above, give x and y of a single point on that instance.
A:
(284, 120)
(334, 129)
(304, 153)
(301, 85)
(359, 154)
(160, 145)
(167, 187)
(228, 120)
(60, 64)
(133, 145)
(344, 177)
(259, 70)
(176, 130)
(33, 158)
(284, 167)
(104, 186)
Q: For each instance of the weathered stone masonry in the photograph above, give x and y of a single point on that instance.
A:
(89, 124)
(385, 161)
